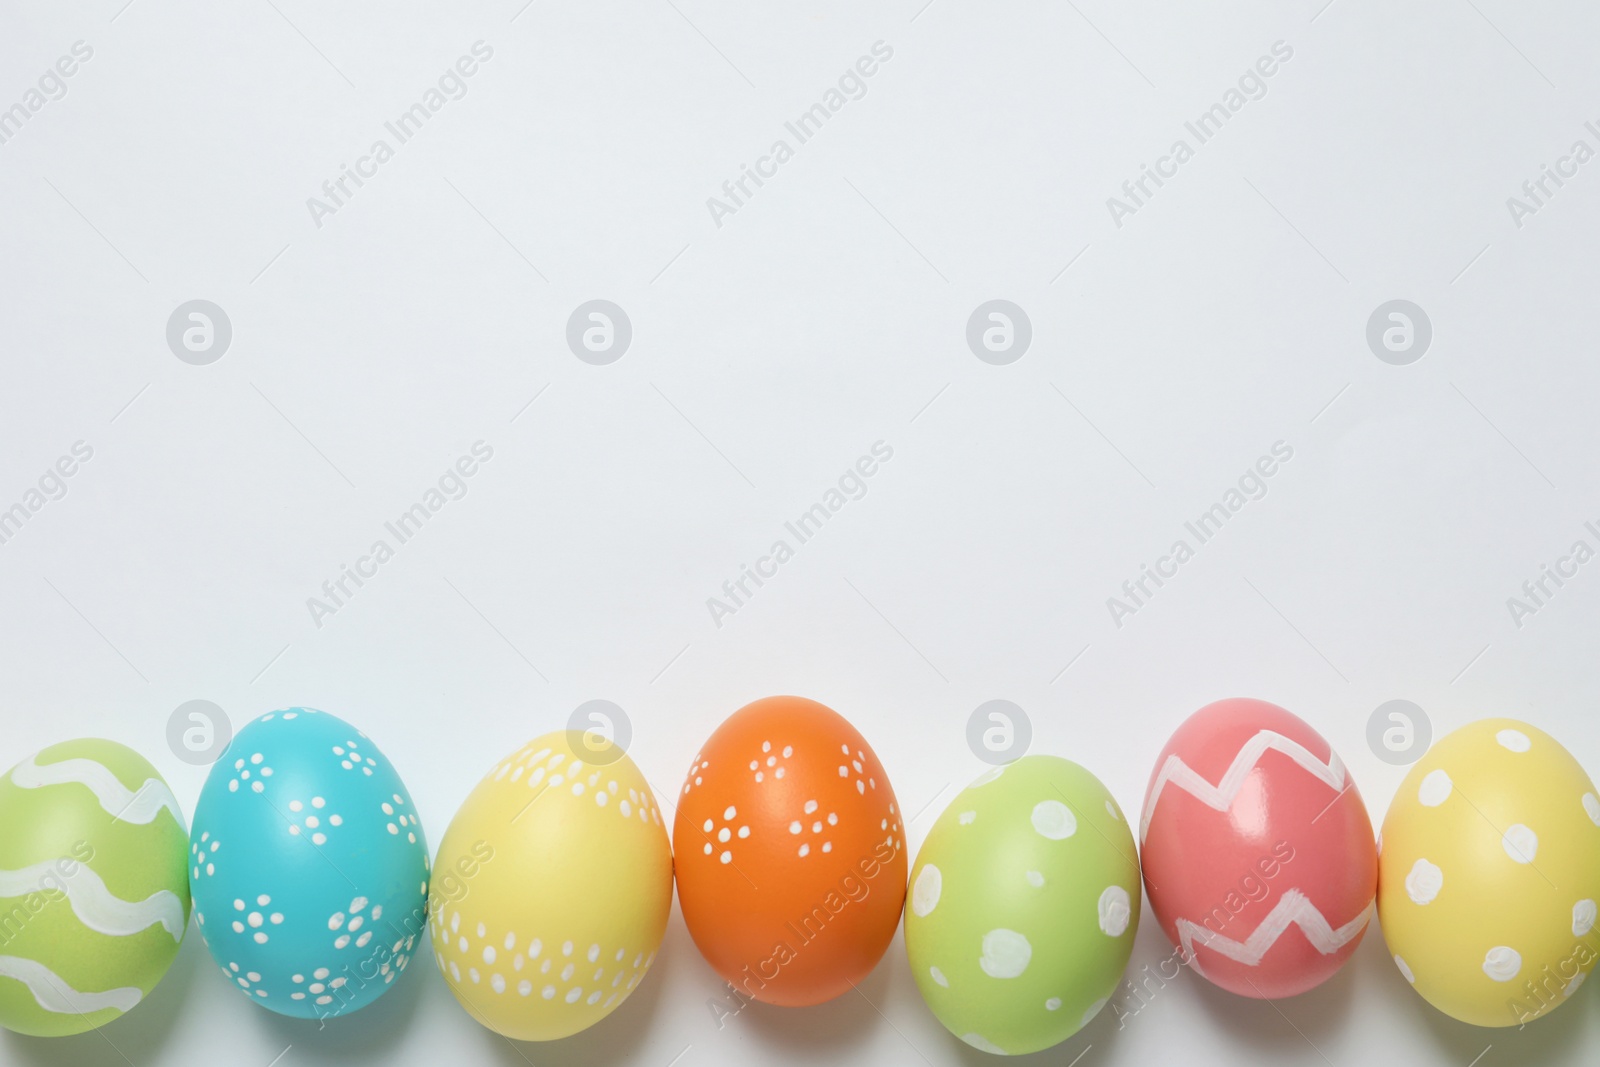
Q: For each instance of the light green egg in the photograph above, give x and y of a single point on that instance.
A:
(1023, 906)
(94, 886)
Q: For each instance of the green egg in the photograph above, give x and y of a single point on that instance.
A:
(1023, 906)
(94, 886)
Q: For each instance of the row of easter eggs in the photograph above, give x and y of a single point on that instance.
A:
(311, 881)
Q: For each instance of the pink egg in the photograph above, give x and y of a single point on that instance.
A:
(1257, 850)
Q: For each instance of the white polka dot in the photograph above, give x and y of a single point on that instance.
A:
(1035, 879)
(1577, 980)
(983, 1044)
(938, 976)
(1520, 843)
(1005, 954)
(1405, 970)
(1435, 789)
(966, 817)
(1115, 910)
(1583, 917)
(1424, 882)
(925, 891)
(1054, 820)
(1515, 740)
(1591, 805)
(1502, 963)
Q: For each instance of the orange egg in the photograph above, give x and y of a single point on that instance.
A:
(790, 853)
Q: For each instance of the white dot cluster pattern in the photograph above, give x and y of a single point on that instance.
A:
(696, 775)
(719, 840)
(249, 772)
(543, 768)
(350, 758)
(770, 763)
(510, 963)
(854, 767)
(814, 827)
(203, 856)
(265, 911)
(810, 830)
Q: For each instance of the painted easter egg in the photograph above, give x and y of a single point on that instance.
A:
(1023, 906)
(94, 894)
(1257, 850)
(790, 851)
(552, 887)
(1489, 874)
(308, 865)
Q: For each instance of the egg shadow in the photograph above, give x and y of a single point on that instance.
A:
(370, 1034)
(138, 1036)
(1099, 1032)
(1553, 1038)
(1278, 1028)
(829, 1028)
(614, 1039)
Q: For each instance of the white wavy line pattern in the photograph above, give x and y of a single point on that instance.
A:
(140, 807)
(95, 905)
(53, 994)
(1222, 795)
(1293, 909)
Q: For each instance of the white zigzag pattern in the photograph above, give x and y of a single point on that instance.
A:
(1221, 795)
(122, 804)
(1293, 909)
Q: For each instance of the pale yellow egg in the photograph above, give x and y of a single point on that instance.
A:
(550, 893)
(1489, 874)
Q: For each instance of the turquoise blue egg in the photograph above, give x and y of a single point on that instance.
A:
(307, 866)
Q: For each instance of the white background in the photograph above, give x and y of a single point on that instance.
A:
(768, 354)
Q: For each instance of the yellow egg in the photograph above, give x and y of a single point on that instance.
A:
(1489, 873)
(550, 893)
